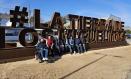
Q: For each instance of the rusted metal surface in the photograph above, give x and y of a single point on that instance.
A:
(18, 16)
(96, 33)
(56, 21)
(2, 37)
(36, 18)
(22, 36)
(9, 53)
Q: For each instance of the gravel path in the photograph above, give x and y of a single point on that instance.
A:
(112, 63)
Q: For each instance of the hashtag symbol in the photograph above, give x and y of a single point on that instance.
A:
(18, 17)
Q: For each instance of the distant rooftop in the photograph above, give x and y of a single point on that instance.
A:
(4, 16)
(115, 18)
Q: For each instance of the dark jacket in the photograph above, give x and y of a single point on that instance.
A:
(41, 46)
(71, 41)
(77, 41)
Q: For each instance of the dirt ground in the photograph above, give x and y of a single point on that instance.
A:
(111, 63)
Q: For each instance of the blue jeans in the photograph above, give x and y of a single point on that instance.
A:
(79, 48)
(44, 53)
(84, 47)
(73, 47)
(67, 45)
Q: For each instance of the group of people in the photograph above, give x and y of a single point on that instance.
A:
(50, 46)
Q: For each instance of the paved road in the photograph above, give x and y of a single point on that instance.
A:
(112, 63)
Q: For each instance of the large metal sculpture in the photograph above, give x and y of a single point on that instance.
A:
(2, 37)
(21, 17)
(99, 32)
(96, 32)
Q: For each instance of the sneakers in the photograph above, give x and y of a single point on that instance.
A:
(45, 59)
(74, 52)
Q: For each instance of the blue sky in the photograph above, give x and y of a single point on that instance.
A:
(93, 8)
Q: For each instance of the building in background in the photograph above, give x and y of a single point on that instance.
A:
(5, 19)
(115, 18)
